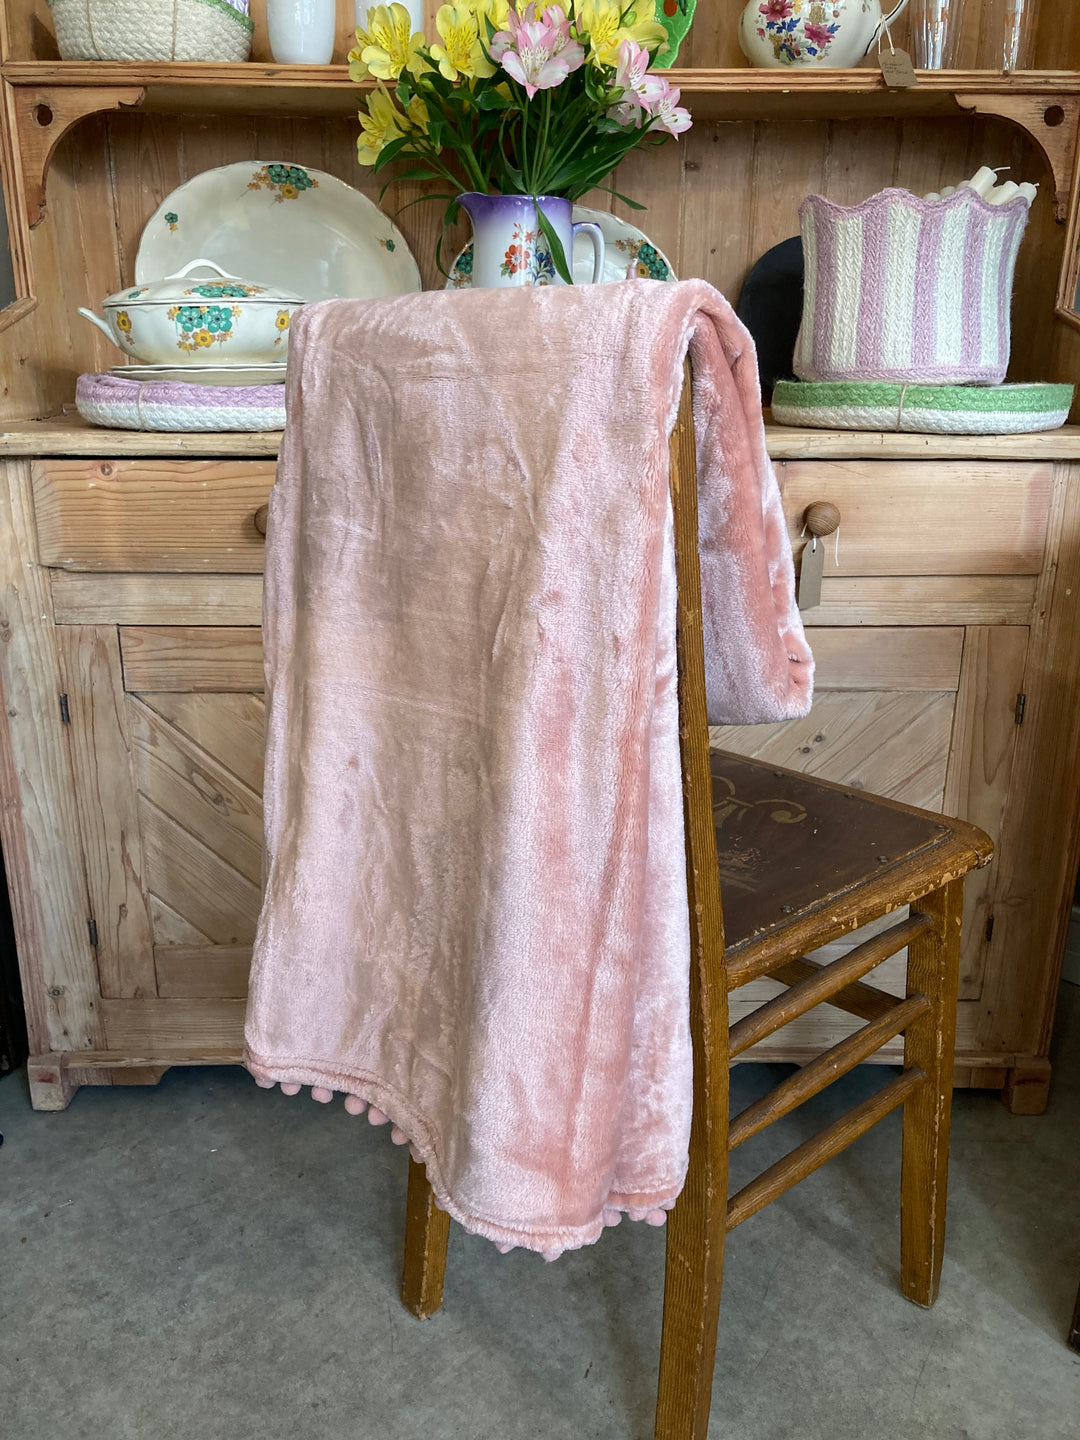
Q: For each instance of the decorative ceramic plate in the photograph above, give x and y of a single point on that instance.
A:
(280, 225)
(675, 16)
(269, 374)
(629, 254)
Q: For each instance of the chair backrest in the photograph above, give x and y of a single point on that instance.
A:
(695, 1243)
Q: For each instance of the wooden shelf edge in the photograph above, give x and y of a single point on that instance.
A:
(109, 73)
(71, 436)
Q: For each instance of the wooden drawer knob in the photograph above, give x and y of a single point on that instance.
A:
(264, 510)
(821, 518)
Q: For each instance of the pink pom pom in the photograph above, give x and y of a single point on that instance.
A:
(354, 1105)
(503, 1248)
(398, 1136)
(377, 1117)
(612, 1217)
(550, 1255)
(656, 1217)
(321, 1094)
(289, 1088)
(264, 1084)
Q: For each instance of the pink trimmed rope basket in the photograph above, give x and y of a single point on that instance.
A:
(904, 289)
(122, 404)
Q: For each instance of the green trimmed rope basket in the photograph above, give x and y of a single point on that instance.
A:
(922, 409)
(137, 30)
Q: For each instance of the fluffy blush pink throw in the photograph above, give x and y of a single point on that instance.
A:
(475, 915)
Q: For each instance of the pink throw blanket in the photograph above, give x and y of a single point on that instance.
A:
(475, 917)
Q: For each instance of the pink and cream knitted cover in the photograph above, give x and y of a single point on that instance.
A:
(475, 916)
(904, 289)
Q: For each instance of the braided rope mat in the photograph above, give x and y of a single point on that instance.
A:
(122, 404)
(922, 409)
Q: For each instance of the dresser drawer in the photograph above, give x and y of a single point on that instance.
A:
(151, 515)
(925, 517)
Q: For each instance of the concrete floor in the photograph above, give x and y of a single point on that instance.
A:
(206, 1261)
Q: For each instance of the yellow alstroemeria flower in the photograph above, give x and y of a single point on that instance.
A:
(498, 12)
(388, 46)
(607, 26)
(461, 52)
(418, 114)
(382, 123)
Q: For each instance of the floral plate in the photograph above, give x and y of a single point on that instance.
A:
(283, 226)
(269, 374)
(629, 254)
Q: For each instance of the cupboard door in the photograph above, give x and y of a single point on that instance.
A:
(169, 786)
(947, 745)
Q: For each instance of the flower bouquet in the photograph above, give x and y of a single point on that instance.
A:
(515, 99)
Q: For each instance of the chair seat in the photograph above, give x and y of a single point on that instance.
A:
(791, 847)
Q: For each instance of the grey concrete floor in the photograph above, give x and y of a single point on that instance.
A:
(207, 1261)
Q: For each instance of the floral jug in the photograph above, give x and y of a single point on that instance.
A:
(833, 33)
(509, 247)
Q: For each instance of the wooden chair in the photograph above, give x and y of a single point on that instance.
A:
(802, 863)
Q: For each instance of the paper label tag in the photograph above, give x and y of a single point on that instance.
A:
(810, 572)
(897, 69)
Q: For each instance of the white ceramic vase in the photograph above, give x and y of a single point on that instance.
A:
(302, 32)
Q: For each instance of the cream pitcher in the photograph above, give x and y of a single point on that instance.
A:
(833, 33)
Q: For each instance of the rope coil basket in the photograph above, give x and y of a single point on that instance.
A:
(122, 404)
(151, 30)
(922, 409)
(910, 290)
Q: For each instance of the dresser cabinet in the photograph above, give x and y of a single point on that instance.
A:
(947, 652)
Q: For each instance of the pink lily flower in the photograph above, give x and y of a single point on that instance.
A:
(626, 112)
(538, 54)
(631, 69)
(661, 100)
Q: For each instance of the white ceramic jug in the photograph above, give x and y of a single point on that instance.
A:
(837, 34)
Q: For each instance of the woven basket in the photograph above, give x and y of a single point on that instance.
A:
(151, 30)
(909, 290)
(922, 409)
(122, 404)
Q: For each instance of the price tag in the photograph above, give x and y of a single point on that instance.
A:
(897, 69)
(810, 573)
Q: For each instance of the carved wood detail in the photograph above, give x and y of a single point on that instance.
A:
(1052, 121)
(42, 116)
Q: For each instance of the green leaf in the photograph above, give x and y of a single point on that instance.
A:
(634, 204)
(555, 245)
(392, 150)
(422, 199)
(450, 216)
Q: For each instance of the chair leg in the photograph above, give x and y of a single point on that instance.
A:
(933, 970)
(427, 1230)
(694, 1274)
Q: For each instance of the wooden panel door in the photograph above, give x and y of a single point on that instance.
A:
(948, 745)
(169, 790)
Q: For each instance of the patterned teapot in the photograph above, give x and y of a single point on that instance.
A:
(834, 33)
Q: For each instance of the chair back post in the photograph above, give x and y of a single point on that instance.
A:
(695, 1238)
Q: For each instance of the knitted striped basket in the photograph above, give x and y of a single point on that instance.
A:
(152, 29)
(904, 289)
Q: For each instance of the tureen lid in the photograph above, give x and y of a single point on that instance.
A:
(185, 287)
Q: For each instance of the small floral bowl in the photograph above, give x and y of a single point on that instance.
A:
(184, 321)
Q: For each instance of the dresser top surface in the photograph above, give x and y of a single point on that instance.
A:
(70, 435)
